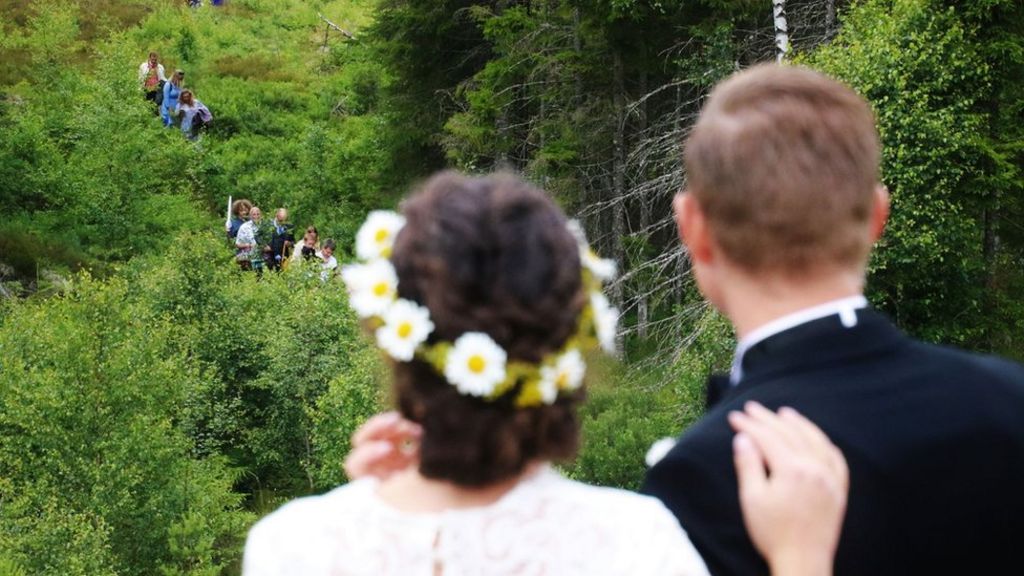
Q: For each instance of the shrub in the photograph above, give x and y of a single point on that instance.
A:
(351, 398)
(92, 459)
(920, 68)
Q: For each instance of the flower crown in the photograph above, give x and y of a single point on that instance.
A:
(474, 363)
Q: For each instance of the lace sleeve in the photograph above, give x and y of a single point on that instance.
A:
(680, 555)
(259, 552)
(288, 542)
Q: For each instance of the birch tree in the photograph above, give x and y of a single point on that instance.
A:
(781, 30)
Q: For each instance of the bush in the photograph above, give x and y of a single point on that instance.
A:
(273, 348)
(630, 407)
(920, 68)
(137, 413)
(93, 462)
(351, 398)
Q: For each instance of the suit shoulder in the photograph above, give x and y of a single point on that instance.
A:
(992, 370)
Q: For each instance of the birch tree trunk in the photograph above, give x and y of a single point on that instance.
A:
(990, 238)
(577, 48)
(619, 180)
(683, 264)
(501, 161)
(830, 20)
(781, 30)
(642, 308)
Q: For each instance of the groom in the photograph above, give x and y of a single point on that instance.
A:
(782, 206)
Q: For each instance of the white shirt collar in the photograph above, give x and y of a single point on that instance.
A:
(846, 308)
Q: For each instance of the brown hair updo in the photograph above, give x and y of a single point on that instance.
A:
(493, 255)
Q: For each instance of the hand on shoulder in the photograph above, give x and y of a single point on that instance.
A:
(793, 486)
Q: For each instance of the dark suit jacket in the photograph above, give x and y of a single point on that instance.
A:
(934, 438)
(277, 239)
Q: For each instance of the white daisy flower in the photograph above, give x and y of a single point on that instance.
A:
(475, 364)
(566, 374)
(659, 450)
(606, 321)
(576, 229)
(372, 287)
(604, 269)
(376, 237)
(406, 326)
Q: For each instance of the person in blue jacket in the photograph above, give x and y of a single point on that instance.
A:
(172, 89)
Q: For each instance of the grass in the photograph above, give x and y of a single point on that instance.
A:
(97, 20)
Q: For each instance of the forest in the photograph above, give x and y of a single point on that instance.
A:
(155, 400)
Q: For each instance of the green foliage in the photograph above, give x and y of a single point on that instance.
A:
(923, 70)
(630, 407)
(85, 165)
(412, 37)
(75, 167)
(999, 36)
(137, 413)
(274, 346)
(626, 411)
(88, 178)
(185, 47)
(351, 398)
(92, 459)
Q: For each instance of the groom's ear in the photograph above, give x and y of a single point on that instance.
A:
(879, 211)
(693, 227)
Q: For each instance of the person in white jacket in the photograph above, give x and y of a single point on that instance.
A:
(151, 74)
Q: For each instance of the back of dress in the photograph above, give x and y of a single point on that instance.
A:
(545, 525)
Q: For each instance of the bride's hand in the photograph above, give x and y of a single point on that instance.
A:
(382, 446)
(793, 485)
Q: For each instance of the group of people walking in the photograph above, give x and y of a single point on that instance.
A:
(272, 245)
(175, 104)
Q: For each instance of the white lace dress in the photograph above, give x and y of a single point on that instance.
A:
(546, 525)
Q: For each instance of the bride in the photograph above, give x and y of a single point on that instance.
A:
(487, 301)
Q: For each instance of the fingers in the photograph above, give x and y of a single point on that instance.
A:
(807, 430)
(383, 445)
(378, 459)
(373, 427)
(771, 442)
(363, 460)
(787, 437)
(824, 448)
(792, 436)
(750, 471)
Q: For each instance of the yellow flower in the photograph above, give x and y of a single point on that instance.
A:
(406, 326)
(475, 364)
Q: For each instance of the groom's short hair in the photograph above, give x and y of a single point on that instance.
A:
(783, 162)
